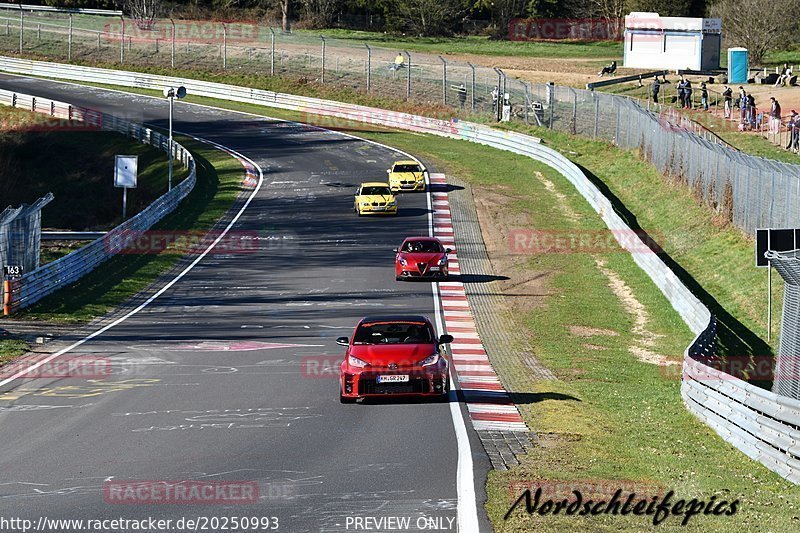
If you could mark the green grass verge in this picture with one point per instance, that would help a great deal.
(218, 183)
(477, 45)
(10, 349)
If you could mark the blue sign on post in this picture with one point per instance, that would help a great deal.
(737, 65)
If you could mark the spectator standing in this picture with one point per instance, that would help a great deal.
(727, 94)
(687, 94)
(794, 132)
(751, 106)
(774, 116)
(656, 88)
(462, 95)
(681, 92)
(742, 105)
(704, 96)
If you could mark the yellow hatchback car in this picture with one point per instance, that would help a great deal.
(375, 198)
(407, 176)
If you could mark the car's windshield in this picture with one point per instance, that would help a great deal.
(422, 247)
(407, 168)
(382, 191)
(394, 333)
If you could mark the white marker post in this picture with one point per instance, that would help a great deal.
(125, 174)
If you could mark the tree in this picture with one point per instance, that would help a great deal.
(320, 13)
(286, 23)
(757, 25)
(144, 12)
(425, 17)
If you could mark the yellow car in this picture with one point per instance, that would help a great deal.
(407, 176)
(375, 198)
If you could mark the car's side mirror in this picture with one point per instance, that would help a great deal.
(343, 341)
(388, 170)
(395, 250)
(445, 339)
(447, 250)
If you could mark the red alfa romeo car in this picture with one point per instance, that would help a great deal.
(421, 257)
(394, 355)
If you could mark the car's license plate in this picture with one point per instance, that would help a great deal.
(395, 378)
(435, 269)
(379, 208)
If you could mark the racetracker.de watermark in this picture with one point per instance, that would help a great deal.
(320, 366)
(562, 29)
(377, 120)
(86, 121)
(557, 241)
(746, 367)
(198, 31)
(182, 242)
(65, 366)
(155, 492)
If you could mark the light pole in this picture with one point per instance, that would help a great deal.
(171, 93)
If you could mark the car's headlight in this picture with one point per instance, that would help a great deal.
(403, 262)
(430, 360)
(392, 203)
(355, 361)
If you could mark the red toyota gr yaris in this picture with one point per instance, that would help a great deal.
(421, 257)
(394, 355)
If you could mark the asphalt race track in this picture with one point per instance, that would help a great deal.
(210, 381)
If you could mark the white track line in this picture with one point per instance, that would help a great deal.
(165, 287)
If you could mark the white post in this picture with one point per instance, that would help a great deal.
(224, 46)
(122, 41)
(21, 27)
(69, 40)
(322, 71)
(272, 53)
(173, 42)
(124, 202)
(369, 67)
(171, 98)
(769, 301)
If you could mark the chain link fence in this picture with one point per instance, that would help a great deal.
(787, 366)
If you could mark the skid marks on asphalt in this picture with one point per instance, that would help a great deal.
(209, 419)
(89, 389)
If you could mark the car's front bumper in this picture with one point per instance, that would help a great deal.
(373, 210)
(363, 383)
(410, 272)
(407, 186)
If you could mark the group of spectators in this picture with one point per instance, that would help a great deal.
(749, 118)
(685, 92)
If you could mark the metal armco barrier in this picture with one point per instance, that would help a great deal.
(36, 284)
(759, 423)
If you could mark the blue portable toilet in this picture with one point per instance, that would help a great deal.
(737, 65)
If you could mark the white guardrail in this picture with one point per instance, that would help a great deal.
(35, 285)
(758, 422)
